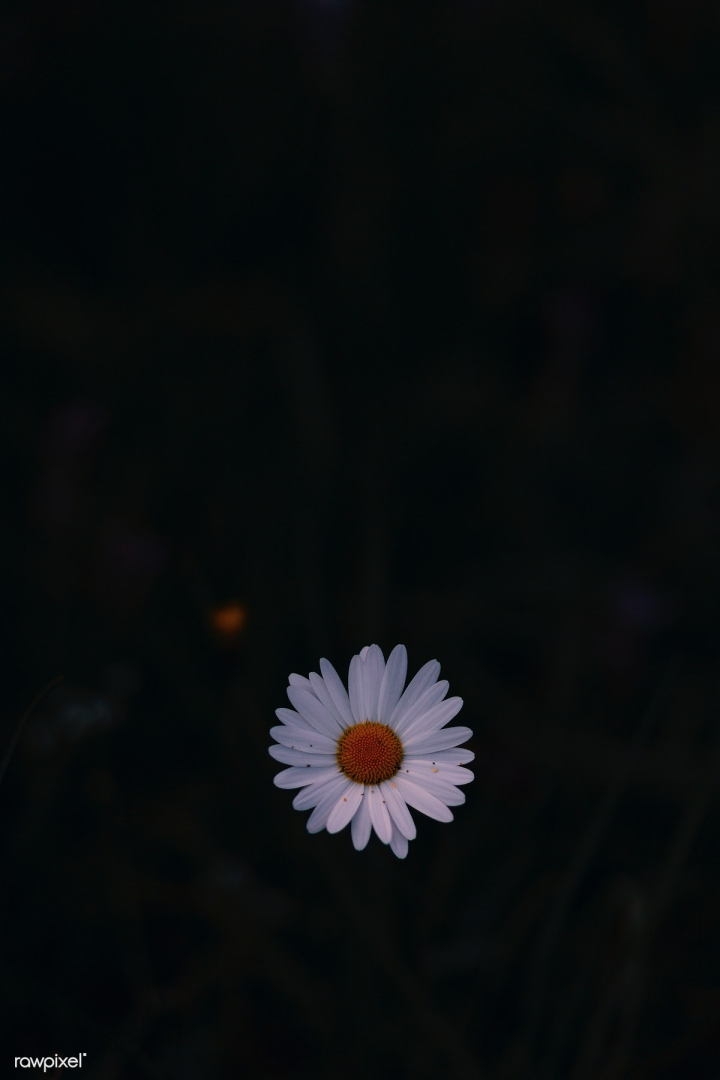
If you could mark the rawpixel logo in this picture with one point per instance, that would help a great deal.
(45, 1063)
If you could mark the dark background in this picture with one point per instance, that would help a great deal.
(331, 323)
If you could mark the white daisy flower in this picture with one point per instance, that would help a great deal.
(367, 756)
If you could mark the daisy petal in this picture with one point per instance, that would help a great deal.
(299, 680)
(442, 789)
(345, 809)
(323, 695)
(379, 814)
(458, 756)
(361, 823)
(424, 704)
(299, 739)
(321, 813)
(398, 810)
(314, 712)
(373, 671)
(300, 777)
(288, 716)
(337, 691)
(315, 793)
(355, 689)
(435, 718)
(426, 676)
(437, 740)
(364, 652)
(285, 756)
(398, 843)
(392, 683)
(423, 800)
(454, 774)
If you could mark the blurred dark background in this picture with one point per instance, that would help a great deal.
(326, 323)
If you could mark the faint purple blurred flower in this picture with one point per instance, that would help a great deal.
(68, 439)
(135, 554)
(638, 606)
(75, 430)
(325, 20)
(128, 563)
(635, 614)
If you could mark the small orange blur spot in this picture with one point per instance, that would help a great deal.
(228, 619)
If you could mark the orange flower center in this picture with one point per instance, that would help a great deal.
(369, 753)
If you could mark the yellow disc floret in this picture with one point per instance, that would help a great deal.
(369, 753)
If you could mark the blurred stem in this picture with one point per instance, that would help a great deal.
(536, 986)
(449, 1042)
(682, 841)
